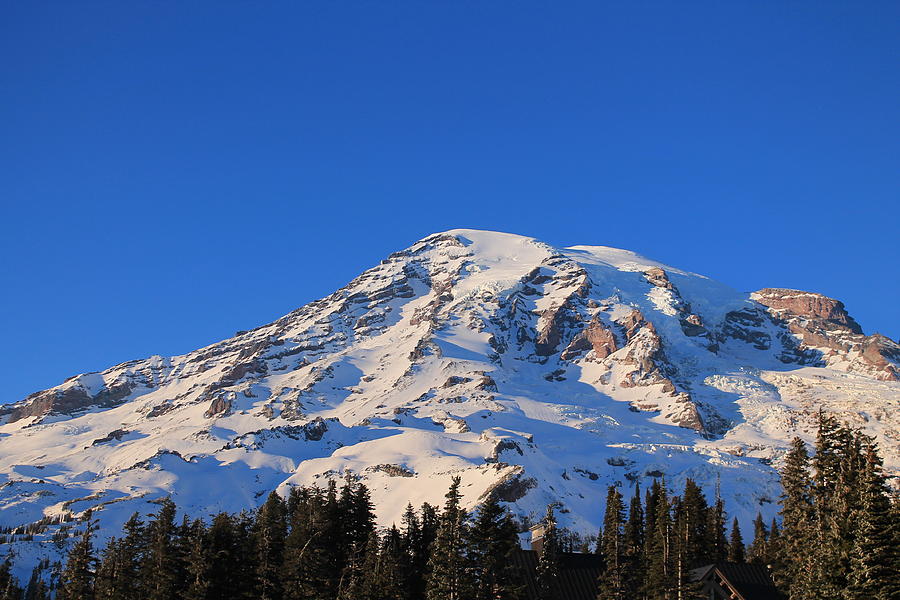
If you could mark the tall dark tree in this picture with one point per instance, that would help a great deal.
(161, 566)
(633, 541)
(9, 586)
(659, 581)
(198, 559)
(492, 541)
(736, 544)
(448, 577)
(37, 588)
(548, 566)
(612, 584)
(792, 573)
(310, 556)
(77, 580)
(758, 551)
(269, 533)
(717, 542)
(875, 563)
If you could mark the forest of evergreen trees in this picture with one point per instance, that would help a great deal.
(837, 538)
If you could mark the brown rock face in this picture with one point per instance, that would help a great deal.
(827, 333)
(656, 276)
(219, 406)
(597, 337)
(796, 303)
(67, 401)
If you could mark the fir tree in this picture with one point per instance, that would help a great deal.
(547, 575)
(659, 580)
(161, 565)
(792, 571)
(612, 548)
(758, 551)
(874, 572)
(77, 580)
(736, 544)
(448, 577)
(492, 540)
(9, 587)
(270, 532)
(633, 541)
(389, 582)
(37, 588)
(198, 562)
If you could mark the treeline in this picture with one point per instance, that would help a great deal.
(837, 539)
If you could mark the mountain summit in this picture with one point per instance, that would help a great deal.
(535, 373)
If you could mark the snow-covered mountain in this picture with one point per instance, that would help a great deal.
(534, 373)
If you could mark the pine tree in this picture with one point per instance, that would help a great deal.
(77, 580)
(547, 574)
(361, 576)
(448, 578)
(758, 551)
(612, 548)
(270, 532)
(874, 572)
(37, 588)
(659, 580)
(736, 544)
(690, 539)
(310, 556)
(792, 570)
(162, 560)
(9, 587)
(198, 561)
(389, 582)
(774, 550)
(717, 543)
(633, 541)
(491, 543)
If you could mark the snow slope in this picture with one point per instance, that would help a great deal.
(534, 373)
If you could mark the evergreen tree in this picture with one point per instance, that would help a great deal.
(119, 574)
(758, 551)
(659, 580)
(361, 576)
(633, 541)
(874, 572)
(270, 532)
(310, 556)
(37, 588)
(9, 587)
(491, 543)
(736, 544)
(547, 575)
(414, 558)
(774, 549)
(77, 580)
(389, 581)
(448, 577)
(161, 566)
(198, 561)
(717, 543)
(612, 548)
(792, 570)
(690, 539)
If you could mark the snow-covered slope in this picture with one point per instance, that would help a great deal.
(534, 373)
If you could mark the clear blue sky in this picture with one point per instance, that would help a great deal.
(171, 172)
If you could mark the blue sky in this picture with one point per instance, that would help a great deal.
(173, 172)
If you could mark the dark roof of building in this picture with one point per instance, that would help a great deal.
(578, 574)
(751, 581)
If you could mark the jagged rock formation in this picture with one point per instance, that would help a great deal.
(535, 373)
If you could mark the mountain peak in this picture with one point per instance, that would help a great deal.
(535, 373)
